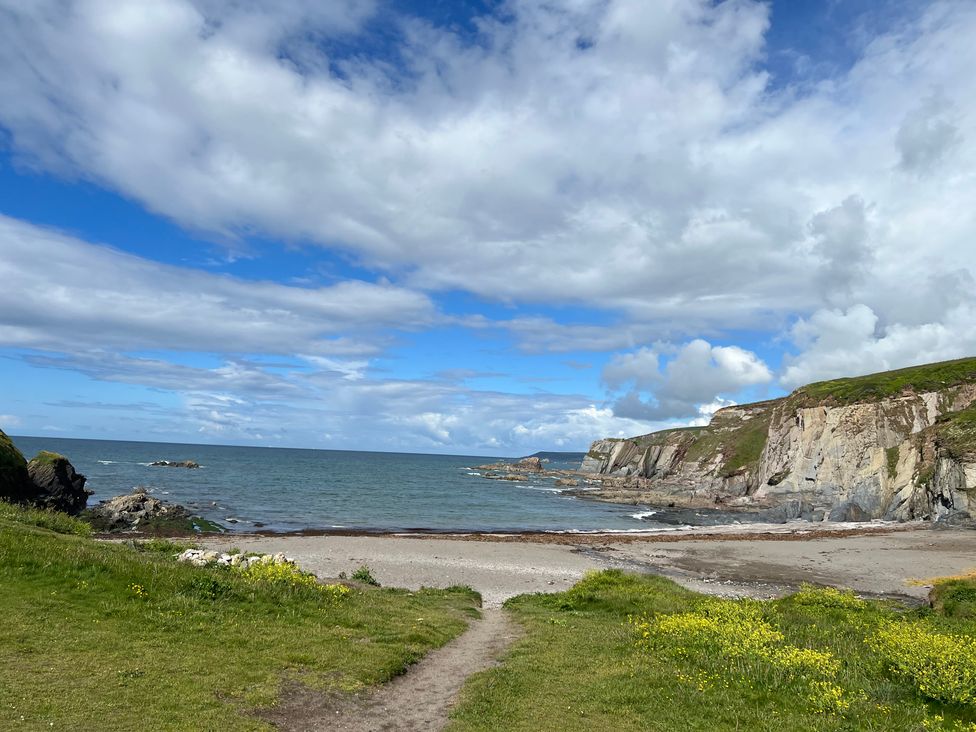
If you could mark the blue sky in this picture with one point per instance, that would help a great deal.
(473, 227)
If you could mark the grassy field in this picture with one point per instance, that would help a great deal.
(640, 653)
(108, 637)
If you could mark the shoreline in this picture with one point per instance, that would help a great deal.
(878, 562)
(791, 531)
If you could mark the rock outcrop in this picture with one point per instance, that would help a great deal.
(56, 484)
(899, 445)
(136, 511)
(48, 481)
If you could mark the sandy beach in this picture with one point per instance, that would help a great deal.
(878, 562)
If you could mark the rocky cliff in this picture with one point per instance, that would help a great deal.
(47, 481)
(898, 445)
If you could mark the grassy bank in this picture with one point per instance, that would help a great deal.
(109, 637)
(640, 653)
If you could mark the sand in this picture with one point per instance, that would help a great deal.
(760, 565)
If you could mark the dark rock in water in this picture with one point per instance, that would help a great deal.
(15, 483)
(174, 464)
(137, 510)
(56, 484)
(567, 482)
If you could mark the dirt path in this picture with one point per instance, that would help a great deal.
(421, 699)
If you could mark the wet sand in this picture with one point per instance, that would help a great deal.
(877, 561)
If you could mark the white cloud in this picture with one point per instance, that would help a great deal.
(62, 293)
(692, 380)
(837, 343)
(586, 153)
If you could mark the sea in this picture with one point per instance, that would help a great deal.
(285, 489)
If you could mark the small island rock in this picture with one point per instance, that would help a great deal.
(174, 464)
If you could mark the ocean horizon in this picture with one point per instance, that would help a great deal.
(246, 488)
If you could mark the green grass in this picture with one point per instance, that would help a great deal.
(955, 597)
(891, 459)
(584, 665)
(741, 444)
(46, 457)
(873, 387)
(10, 456)
(59, 523)
(100, 636)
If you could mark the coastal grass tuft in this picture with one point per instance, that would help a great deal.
(46, 457)
(365, 575)
(103, 636)
(628, 652)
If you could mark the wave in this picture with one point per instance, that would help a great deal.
(641, 515)
(106, 462)
(543, 489)
(477, 475)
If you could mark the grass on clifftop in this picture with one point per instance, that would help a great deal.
(627, 652)
(10, 456)
(873, 387)
(46, 457)
(101, 636)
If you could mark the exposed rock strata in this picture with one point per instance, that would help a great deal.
(56, 484)
(894, 457)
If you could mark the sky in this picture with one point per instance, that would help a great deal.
(478, 227)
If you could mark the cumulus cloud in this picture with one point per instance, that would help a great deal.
(453, 163)
(62, 293)
(690, 385)
(852, 342)
(586, 153)
(926, 135)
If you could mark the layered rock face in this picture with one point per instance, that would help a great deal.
(898, 456)
(56, 484)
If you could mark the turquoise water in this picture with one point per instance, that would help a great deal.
(289, 489)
